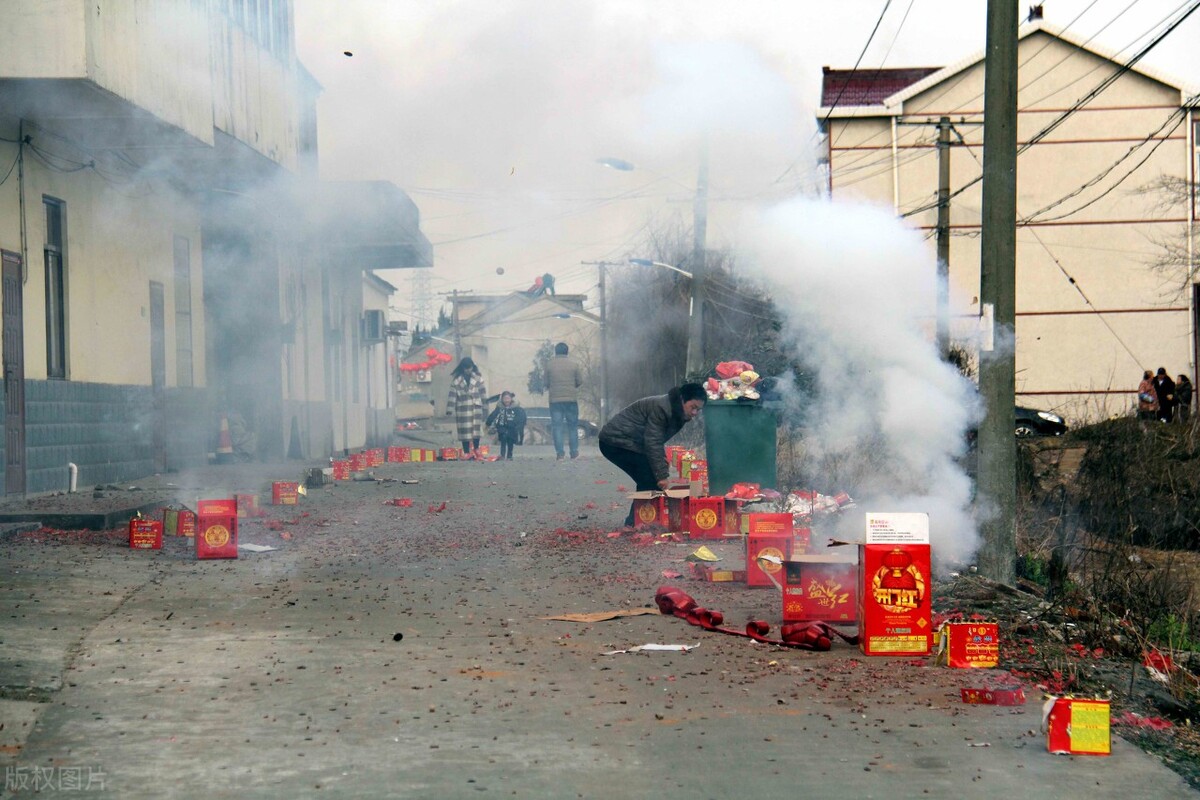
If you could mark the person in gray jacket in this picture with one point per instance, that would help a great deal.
(634, 440)
(563, 379)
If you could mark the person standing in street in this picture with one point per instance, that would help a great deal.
(1147, 400)
(1164, 388)
(634, 440)
(467, 403)
(1183, 399)
(563, 379)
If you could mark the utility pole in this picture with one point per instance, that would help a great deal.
(943, 238)
(602, 267)
(457, 332)
(997, 495)
(697, 364)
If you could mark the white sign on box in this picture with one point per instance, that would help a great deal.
(897, 527)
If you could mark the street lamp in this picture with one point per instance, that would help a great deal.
(645, 262)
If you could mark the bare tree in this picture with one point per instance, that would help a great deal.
(1177, 260)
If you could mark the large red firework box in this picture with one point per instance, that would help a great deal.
(820, 588)
(285, 493)
(778, 546)
(375, 457)
(706, 517)
(895, 616)
(1077, 727)
(145, 534)
(672, 453)
(649, 509)
(358, 462)
(178, 522)
(969, 645)
(341, 470)
(397, 455)
(761, 522)
(216, 528)
(448, 454)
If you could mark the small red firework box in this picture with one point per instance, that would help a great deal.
(428, 454)
(341, 470)
(820, 588)
(678, 459)
(895, 617)
(448, 454)
(1010, 696)
(777, 545)
(358, 462)
(285, 493)
(178, 522)
(706, 517)
(649, 509)
(1077, 727)
(483, 450)
(671, 451)
(375, 457)
(216, 528)
(710, 573)
(677, 510)
(398, 455)
(969, 645)
(145, 534)
(698, 479)
(247, 505)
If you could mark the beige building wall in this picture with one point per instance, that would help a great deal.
(1092, 311)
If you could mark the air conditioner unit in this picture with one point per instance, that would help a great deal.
(374, 327)
(424, 376)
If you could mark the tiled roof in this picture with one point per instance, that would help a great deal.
(867, 87)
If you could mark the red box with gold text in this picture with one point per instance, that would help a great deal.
(970, 645)
(820, 588)
(650, 510)
(706, 517)
(358, 462)
(145, 534)
(216, 528)
(396, 455)
(285, 493)
(341, 470)
(1077, 727)
(895, 616)
(778, 545)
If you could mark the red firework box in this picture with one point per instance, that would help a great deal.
(677, 510)
(448, 454)
(698, 479)
(999, 696)
(428, 454)
(649, 509)
(895, 617)
(678, 459)
(341, 470)
(285, 493)
(178, 522)
(706, 518)
(247, 506)
(358, 462)
(777, 547)
(672, 453)
(820, 588)
(145, 534)
(1077, 727)
(969, 645)
(398, 455)
(484, 450)
(375, 457)
(216, 528)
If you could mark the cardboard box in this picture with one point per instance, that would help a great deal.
(777, 544)
(698, 479)
(1077, 727)
(341, 470)
(448, 454)
(677, 461)
(216, 528)
(970, 645)
(820, 588)
(285, 493)
(649, 510)
(895, 615)
(706, 517)
(178, 522)
(375, 457)
(358, 462)
(994, 697)
(398, 455)
(145, 534)
(733, 519)
(760, 522)
(713, 574)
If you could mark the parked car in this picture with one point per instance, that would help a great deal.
(537, 426)
(1031, 422)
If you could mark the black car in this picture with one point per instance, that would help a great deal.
(1031, 422)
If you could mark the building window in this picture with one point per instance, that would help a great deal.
(56, 287)
(183, 312)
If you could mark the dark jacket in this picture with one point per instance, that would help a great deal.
(1183, 392)
(1164, 387)
(509, 422)
(644, 426)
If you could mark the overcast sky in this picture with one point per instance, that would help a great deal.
(492, 115)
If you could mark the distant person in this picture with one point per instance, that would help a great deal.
(1147, 399)
(1183, 399)
(563, 379)
(634, 440)
(508, 419)
(467, 403)
(548, 284)
(538, 289)
(1164, 388)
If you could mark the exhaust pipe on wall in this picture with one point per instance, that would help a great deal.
(72, 476)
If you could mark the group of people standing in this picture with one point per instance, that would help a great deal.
(1164, 399)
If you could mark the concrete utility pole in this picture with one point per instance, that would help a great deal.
(997, 495)
(943, 238)
(697, 364)
(602, 266)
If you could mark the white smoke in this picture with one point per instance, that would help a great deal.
(857, 292)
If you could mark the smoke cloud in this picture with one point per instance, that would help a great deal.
(856, 291)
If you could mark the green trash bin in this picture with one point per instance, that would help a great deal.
(739, 442)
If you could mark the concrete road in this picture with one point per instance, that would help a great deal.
(384, 651)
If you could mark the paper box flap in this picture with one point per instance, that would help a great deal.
(897, 527)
